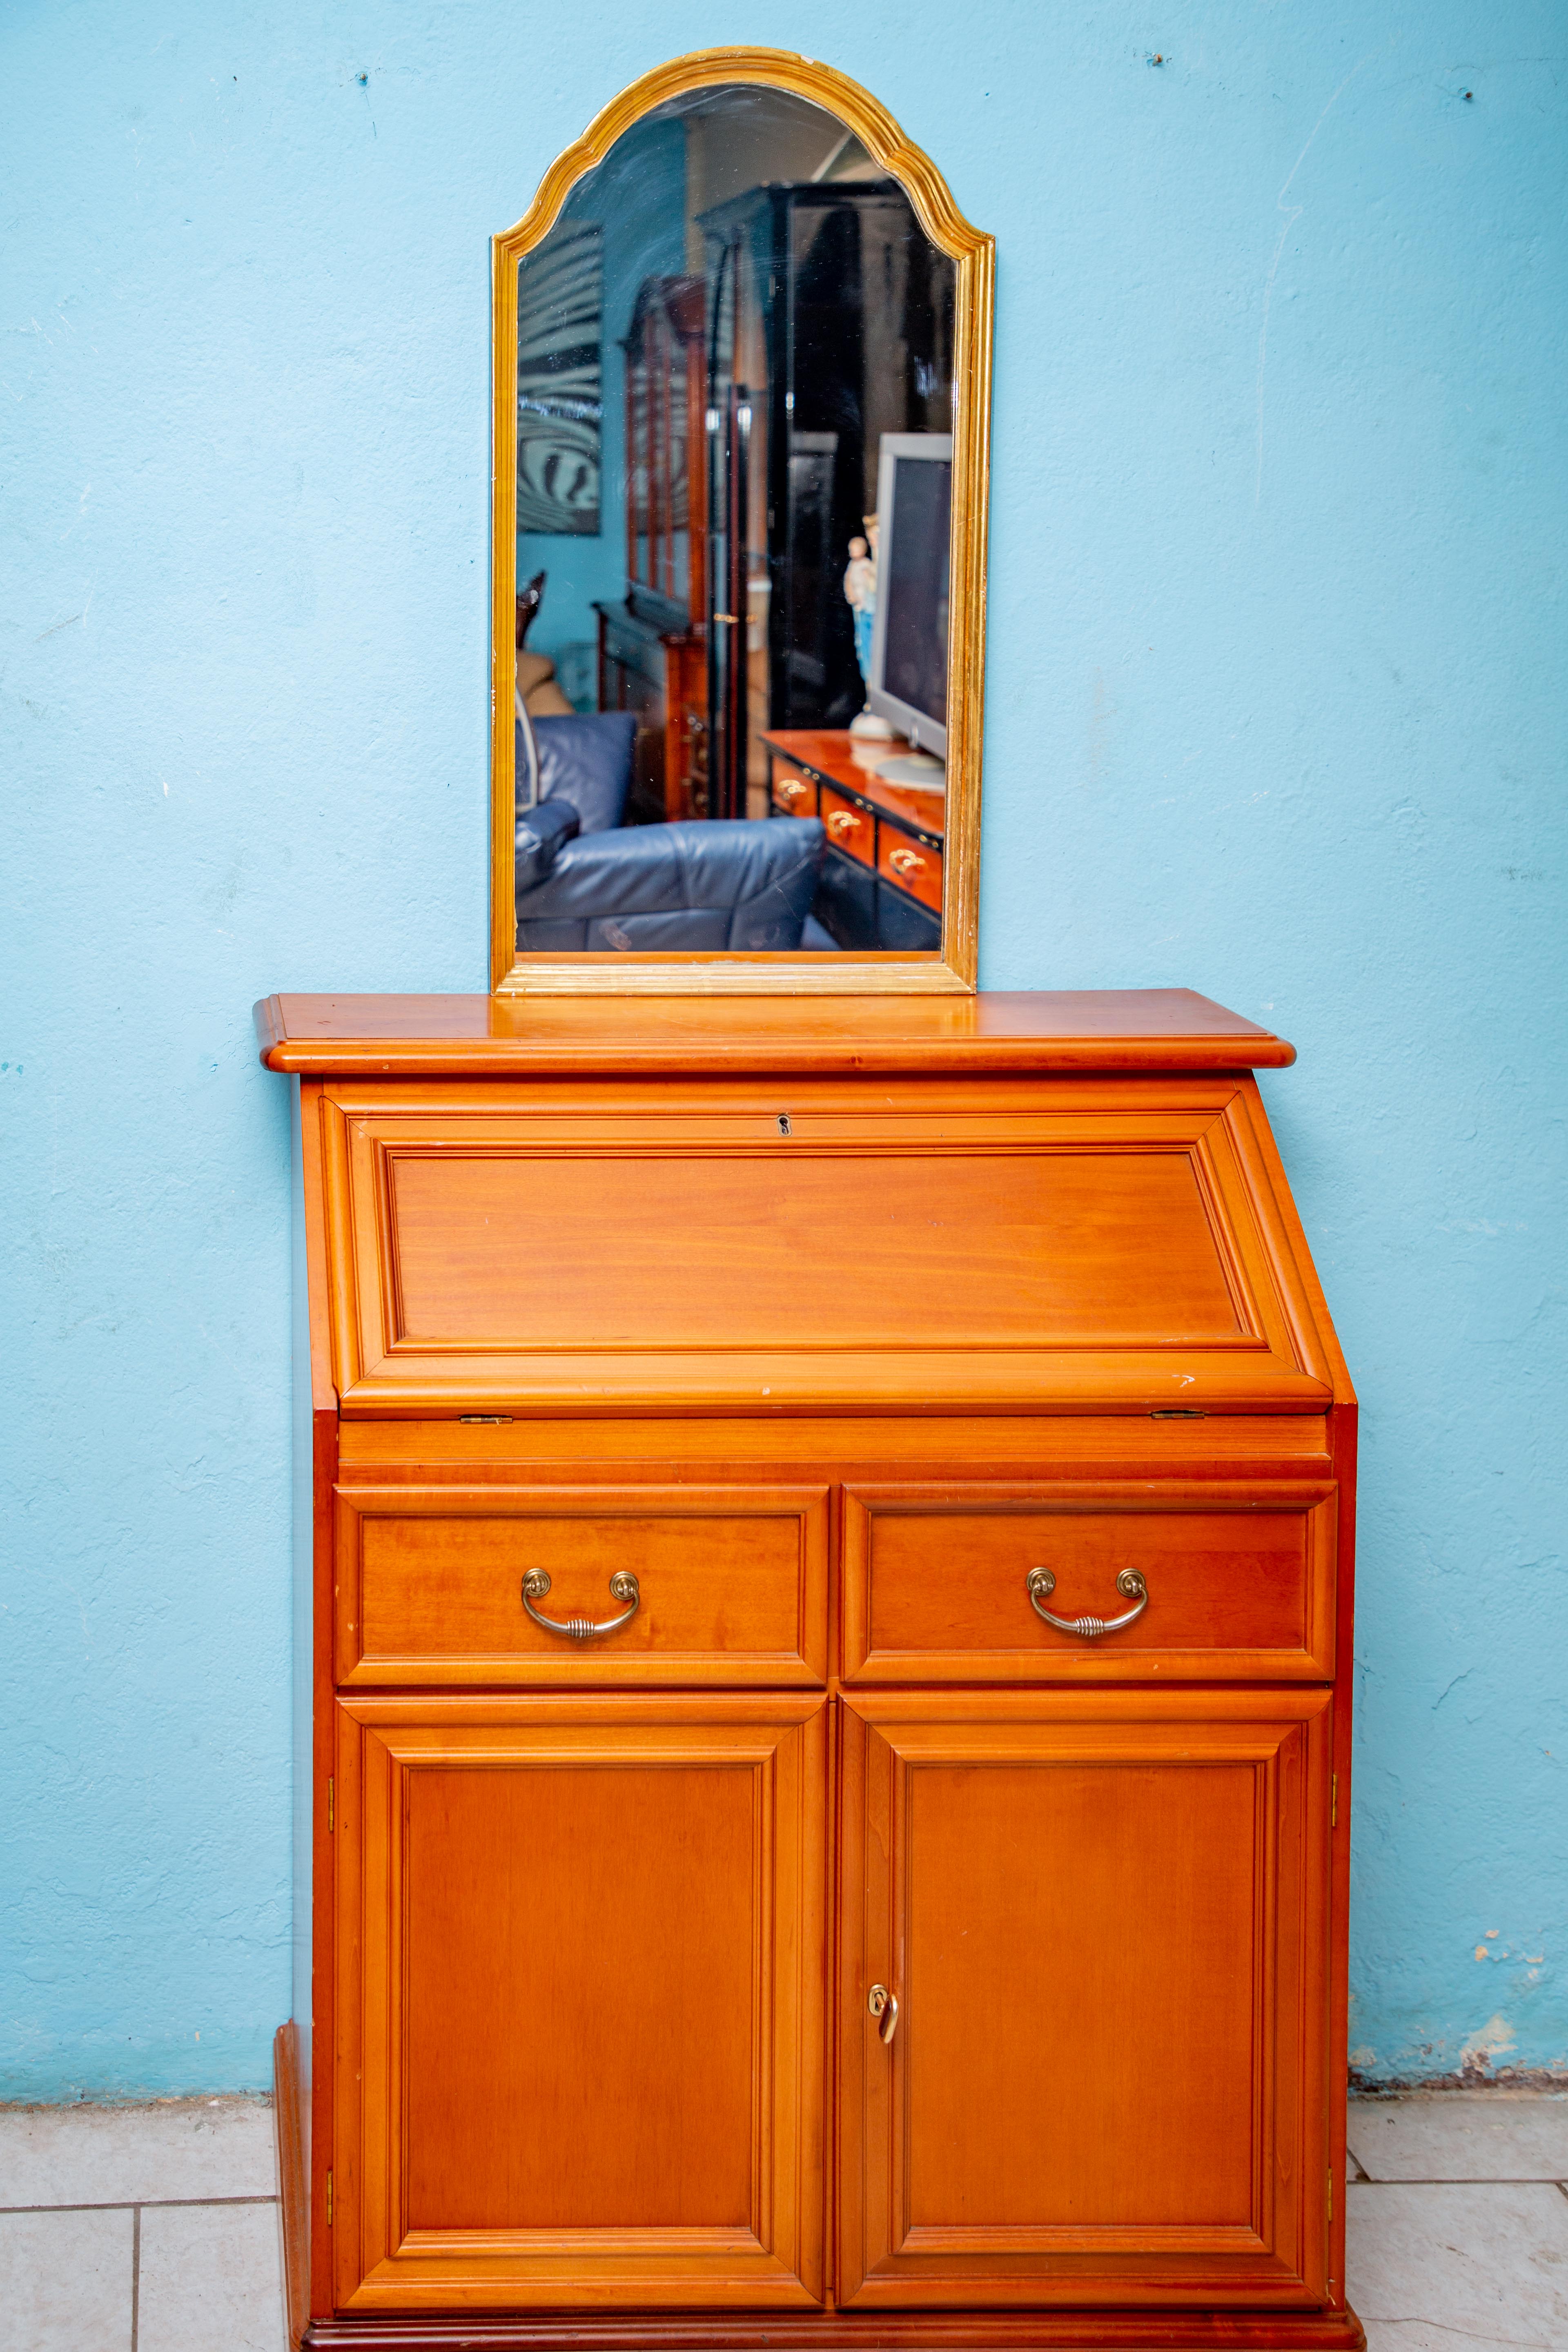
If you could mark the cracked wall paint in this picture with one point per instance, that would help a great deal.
(1288, 735)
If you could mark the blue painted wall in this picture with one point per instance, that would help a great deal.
(1275, 657)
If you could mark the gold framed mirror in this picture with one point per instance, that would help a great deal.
(740, 415)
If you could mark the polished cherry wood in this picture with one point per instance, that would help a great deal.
(1240, 1576)
(1103, 1917)
(891, 2331)
(1107, 1030)
(829, 1329)
(733, 1584)
(293, 2184)
(870, 2331)
(947, 1248)
(582, 2057)
(859, 1448)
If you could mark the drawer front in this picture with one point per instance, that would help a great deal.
(730, 1584)
(912, 867)
(849, 827)
(1239, 1579)
(792, 793)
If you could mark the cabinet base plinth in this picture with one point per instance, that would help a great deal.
(917, 2331)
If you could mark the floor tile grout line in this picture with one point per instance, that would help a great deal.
(1467, 2180)
(135, 2205)
(135, 2273)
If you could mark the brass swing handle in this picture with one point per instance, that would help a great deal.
(884, 2006)
(1041, 1582)
(622, 1587)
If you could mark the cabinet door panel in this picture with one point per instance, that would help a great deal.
(1104, 1918)
(583, 1947)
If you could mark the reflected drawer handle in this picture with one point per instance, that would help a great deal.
(622, 1587)
(1040, 1583)
(884, 2005)
(906, 861)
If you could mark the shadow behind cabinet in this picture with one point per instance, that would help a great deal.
(917, 1916)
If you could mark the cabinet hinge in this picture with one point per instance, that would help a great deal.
(1333, 1801)
(329, 2201)
(332, 1807)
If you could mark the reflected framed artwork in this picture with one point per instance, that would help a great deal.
(741, 392)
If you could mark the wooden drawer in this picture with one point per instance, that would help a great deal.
(792, 793)
(731, 1584)
(913, 866)
(849, 827)
(1239, 1578)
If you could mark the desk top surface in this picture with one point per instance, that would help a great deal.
(1125, 1031)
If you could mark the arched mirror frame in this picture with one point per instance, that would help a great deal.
(952, 969)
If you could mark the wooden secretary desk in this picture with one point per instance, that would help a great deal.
(824, 1637)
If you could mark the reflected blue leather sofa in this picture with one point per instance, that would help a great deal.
(586, 882)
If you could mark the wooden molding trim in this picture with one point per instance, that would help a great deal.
(1118, 1032)
(974, 253)
(288, 2123)
(1018, 2331)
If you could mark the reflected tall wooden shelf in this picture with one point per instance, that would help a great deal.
(871, 1940)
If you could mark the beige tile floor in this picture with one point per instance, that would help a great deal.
(1458, 2230)
(139, 2229)
(155, 2229)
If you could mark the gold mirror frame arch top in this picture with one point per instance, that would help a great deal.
(952, 969)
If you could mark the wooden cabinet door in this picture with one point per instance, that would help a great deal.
(1104, 1917)
(581, 1960)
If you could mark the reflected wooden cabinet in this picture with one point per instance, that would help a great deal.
(653, 644)
(824, 1607)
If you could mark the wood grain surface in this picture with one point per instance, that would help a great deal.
(580, 2043)
(733, 1584)
(829, 1321)
(1239, 1574)
(1105, 1029)
(1104, 1917)
(932, 1246)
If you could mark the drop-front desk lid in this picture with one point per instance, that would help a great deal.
(1020, 1205)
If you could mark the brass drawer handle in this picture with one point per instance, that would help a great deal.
(884, 2005)
(622, 1587)
(842, 821)
(906, 861)
(1040, 1583)
(791, 789)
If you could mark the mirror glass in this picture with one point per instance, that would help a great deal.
(735, 467)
